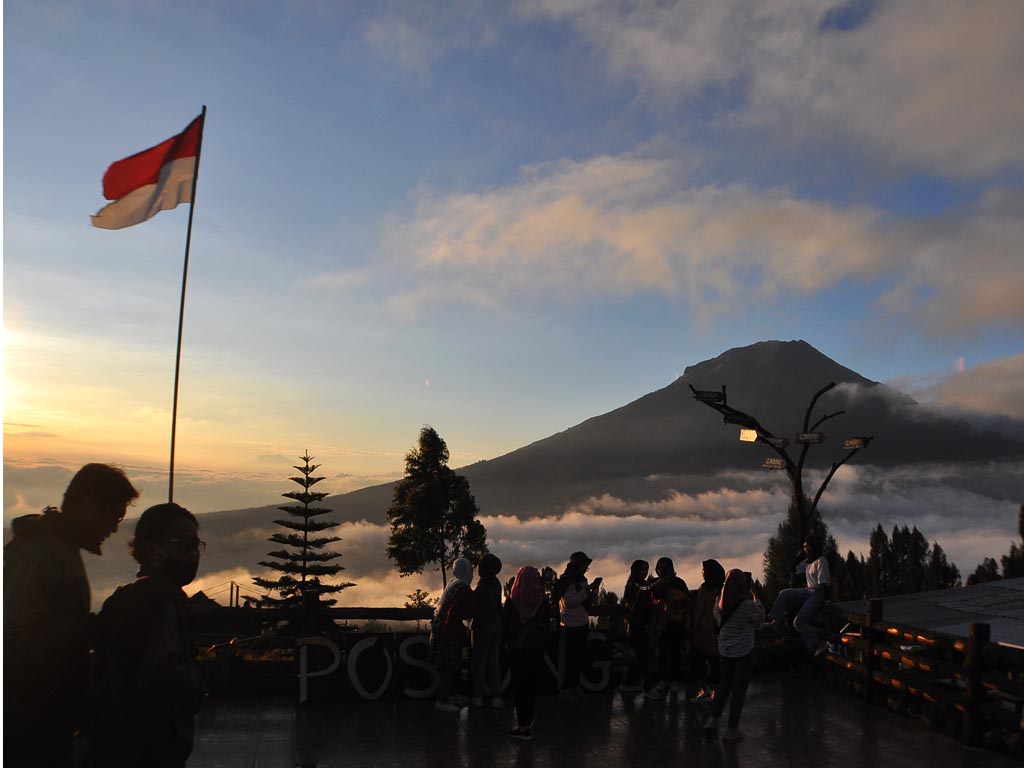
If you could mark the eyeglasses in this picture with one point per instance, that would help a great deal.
(188, 544)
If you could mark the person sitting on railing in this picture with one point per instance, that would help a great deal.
(804, 602)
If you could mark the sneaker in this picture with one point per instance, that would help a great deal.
(569, 694)
(703, 697)
(657, 693)
(631, 687)
(732, 734)
(496, 702)
(674, 687)
(711, 724)
(476, 701)
(520, 734)
(460, 700)
(446, 706)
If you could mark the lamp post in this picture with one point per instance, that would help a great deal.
(752, 431)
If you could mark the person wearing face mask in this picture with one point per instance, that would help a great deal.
(47, 623)
(148, 683)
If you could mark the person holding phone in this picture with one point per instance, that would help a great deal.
(575, 598)
(739, 612)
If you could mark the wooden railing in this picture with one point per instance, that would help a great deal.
(968, 686)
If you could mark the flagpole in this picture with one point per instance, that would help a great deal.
(181, 308)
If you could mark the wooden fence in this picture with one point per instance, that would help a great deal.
(968, 686)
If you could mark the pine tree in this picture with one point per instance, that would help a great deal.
(940, 573)
(304, 560)
(987, 570)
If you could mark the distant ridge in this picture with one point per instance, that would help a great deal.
(667, 433)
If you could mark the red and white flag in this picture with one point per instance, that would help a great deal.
(156, 179)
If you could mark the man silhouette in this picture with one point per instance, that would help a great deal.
(47, 624)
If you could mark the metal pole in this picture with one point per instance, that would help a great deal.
(181, 309)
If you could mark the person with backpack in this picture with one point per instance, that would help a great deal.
(739, 612)
(575, 598)
(671, 596)
(487, 633)
(525, 631)
(636, 600)
(448, 633)
(703, 659)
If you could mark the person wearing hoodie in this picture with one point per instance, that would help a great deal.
(636, 600)
(739, 612)
(487, 633)
(672, 598)
(525, 632)
(703, 658)
(149, 685)
(47, 624)
(575, 598)
(448, 633)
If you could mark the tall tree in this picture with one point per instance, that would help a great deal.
(940, 573)
(304, 560)
(1013, 563)
(432, 513)
(987, 570)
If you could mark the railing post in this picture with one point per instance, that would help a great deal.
(874, 615)
(974, 716)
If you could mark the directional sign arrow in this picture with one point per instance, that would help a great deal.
(810, 437)
(773, 462)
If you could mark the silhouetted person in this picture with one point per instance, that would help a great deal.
(704, 664)
(575, 598)
(487, 633)
(525, 630)
(636, 599)
(148, 683)
(740, 613)
(672, 597)
(803, 602)
(47, 623)
(448, 634)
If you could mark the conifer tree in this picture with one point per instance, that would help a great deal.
(304, 560)
(432, 512)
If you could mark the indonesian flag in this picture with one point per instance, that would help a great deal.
(156, 179)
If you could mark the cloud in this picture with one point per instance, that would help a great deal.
(995, 388)
(930, 85)
(616, 227)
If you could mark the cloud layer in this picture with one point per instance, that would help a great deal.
(616, 227)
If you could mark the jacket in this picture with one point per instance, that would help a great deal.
(149, 687)
(47, 625)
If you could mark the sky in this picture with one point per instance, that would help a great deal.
(496, 218)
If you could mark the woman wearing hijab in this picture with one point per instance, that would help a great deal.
(525, 628)
(739, 612)
(448, 633)
(704, 639)
(636, 599)
(487, 633)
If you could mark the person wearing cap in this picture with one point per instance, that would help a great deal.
(487, 633)
(47, 623)
(575, 598)
(802, 603)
